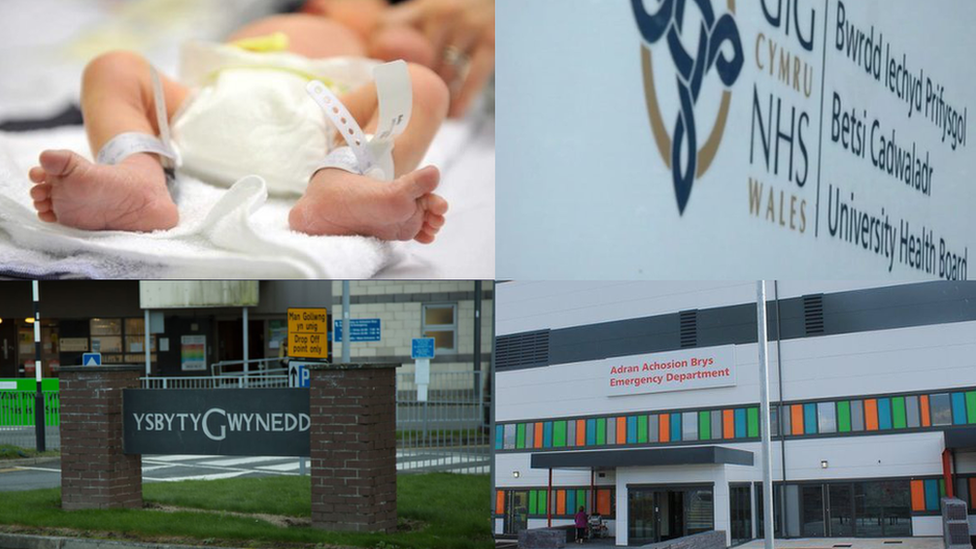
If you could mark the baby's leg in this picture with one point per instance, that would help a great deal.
(340, 203)
(116, 98)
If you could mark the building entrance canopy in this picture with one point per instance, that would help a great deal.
(962, 439)
(648, 457)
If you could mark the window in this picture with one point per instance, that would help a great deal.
(689, 426)
(121, 340)
(941, 409)
(827, 417)
(440, 323)
(509, 439)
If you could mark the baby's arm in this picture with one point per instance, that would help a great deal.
(387, 43)
(361, 16)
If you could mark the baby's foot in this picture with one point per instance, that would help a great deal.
(129, 196)
(341, 203)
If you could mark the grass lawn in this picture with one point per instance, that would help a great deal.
(9, 451)
(437, 510)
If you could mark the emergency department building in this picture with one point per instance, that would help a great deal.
(639, 401)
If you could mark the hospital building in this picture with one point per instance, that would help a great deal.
(640, 402)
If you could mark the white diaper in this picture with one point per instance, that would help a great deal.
(249, 113)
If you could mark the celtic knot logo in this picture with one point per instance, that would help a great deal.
(691, 71)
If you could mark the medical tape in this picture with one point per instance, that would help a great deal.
(129, 143)
(374, 157)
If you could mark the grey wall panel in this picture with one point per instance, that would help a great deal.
(844, 312)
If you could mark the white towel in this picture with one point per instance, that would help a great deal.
(222, 233)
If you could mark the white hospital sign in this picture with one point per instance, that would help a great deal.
(672, 371)
(760, 138)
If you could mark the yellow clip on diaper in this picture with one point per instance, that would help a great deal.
(277, 41)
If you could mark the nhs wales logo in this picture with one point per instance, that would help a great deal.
(716, 51)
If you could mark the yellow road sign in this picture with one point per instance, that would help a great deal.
(308, 333)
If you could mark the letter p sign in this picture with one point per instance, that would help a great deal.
(298, 374)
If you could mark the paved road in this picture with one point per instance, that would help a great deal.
(185, 467)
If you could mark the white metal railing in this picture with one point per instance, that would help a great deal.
(217, 368)
(447, 432)
(214, 382)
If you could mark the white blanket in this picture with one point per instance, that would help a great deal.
(223, 233)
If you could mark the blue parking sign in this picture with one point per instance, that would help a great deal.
(423, 347)
(298, 374)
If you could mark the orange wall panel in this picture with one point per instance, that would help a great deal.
(603, 502)
(728, 423)
(871, 414)
(918, 496)
(926, 418)
(796, 419)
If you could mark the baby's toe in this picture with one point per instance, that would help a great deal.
(43, 205)
(424, 237)
(41, 192)
(60, 162)
(435, 221)
(47, 216)
(436, 204)
(37, 174)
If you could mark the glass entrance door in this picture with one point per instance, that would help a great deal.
(517, 511)
(840, 510)
(740, 511)
(642, 516)
(657, 514)
(812, 511)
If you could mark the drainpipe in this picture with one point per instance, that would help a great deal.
(477, 337)
(947, 471)
(779, 375)
(592, 490)
(767, 469)
(549, 501)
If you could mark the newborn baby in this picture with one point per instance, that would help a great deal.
(246, 108)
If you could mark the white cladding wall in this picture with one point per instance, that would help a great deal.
(863, 363)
